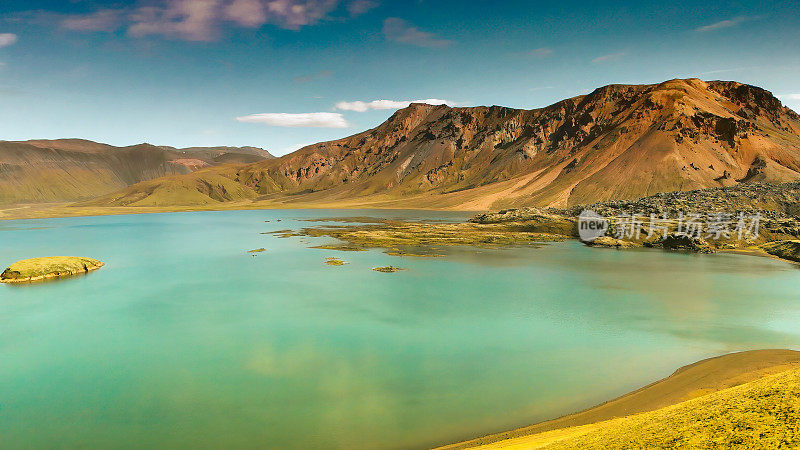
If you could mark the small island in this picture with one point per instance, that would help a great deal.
(38, 269)
(387, 269)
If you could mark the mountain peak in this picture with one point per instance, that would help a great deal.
(618, 142)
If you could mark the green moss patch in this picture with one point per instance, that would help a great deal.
(37, 269)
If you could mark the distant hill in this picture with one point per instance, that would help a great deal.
(618, 142)
(226, 155)
(74, 169)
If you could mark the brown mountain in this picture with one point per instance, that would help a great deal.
(619, 142)
(72, 169)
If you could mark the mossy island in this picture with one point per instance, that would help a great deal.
(38, 269)
(387, 269)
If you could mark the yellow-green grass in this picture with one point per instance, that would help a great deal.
(422, 238)
(37, 269)
(759, 414)
(387, 269)
(635, 417)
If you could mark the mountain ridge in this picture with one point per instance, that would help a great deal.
(72, 169)
(617, 142)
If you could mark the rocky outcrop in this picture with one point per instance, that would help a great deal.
(610, 242)
(675, 241)
(532, 220)
(788, 249)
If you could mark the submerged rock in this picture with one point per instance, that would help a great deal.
(38, 269)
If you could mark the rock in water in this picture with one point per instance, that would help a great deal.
(610, 242)
(387, 269)
(37, 269)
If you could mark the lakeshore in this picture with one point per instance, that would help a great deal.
(690, 394)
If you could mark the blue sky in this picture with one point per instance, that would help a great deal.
(280, 74)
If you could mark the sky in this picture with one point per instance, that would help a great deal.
(281, 74)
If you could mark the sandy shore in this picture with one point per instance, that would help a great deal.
(687, 383)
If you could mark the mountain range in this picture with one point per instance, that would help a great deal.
(73, 169)
(618, 142)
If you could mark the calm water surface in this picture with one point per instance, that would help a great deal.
(184, 339)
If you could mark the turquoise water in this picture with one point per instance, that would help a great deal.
(185, 340)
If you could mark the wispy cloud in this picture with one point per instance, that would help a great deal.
(101, 20)
(203, 20)
(733, 69)
(789, 97)
(398, 30)
(304, 120)
(359, 7)
(294, 14)
(313, 76)
(247, 13)
(191, 20)
(540, 52)
(722, 24)
(359, 106)
(7, 39)
(609, 58)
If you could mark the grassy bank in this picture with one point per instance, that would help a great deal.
(745, 400)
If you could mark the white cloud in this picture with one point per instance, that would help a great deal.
(608, 58)
(359, 106)
(247, 13)
(724, 24)
(789, 97)
(191, 20)
(203, 20)
(293, 14)
(7, 39)
(398, 30)
(304, 120)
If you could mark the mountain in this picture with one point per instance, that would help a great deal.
(73, 169)
(618, 142)
(226, 155)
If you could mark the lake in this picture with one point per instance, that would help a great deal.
(184, 339)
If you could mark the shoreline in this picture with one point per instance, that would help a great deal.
(66, 210)
(687, 383)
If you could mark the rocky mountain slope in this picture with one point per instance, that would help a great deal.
(619, 142)
(72, 169)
